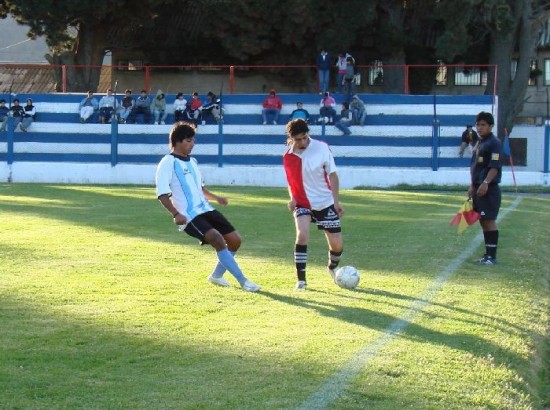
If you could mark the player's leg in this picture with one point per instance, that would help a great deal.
(233, 240)
(212, 227)
(335, 249)
(302, 221)
(488, 207)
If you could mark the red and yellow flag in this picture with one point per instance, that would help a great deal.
(465, 216)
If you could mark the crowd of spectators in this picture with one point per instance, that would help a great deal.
(146, 109)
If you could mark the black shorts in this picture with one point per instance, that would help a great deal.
(326, 219)
(489, 204)
(202, 223)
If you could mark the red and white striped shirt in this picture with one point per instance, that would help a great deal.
(307, 175)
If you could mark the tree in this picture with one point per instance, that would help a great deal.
(77, 32)
(494, 32)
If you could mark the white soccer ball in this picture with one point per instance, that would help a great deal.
(347, 277)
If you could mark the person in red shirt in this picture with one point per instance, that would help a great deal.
(272, 106)
(194, 108)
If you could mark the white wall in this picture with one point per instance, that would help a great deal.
(350, 177)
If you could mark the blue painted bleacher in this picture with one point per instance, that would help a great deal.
(398, 132)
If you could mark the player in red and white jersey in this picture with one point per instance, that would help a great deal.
(313, 186)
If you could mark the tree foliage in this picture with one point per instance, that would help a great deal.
(292, 32)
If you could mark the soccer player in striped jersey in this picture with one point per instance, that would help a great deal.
(313, 186)
(181, 191)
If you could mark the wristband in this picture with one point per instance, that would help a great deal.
(486, 182)
(176, 214)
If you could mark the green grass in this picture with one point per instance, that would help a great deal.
(105, 305)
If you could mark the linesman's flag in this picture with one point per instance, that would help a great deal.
(465, 216)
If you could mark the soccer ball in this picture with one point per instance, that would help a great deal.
(347, 277)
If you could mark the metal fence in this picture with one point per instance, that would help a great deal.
(242, 79)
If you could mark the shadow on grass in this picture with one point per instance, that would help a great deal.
(476, 346)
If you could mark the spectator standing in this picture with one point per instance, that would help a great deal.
(323, 68)
(358, 110)
(341, 67)
(4, 113)
(88, 106)
(211, 106)
(28, 115)
(313, 185)
(142, 108)
(181, 191)
(469, 138)
(349, 77)
(272, 106)
(158, 108)
(194, 108)
(299, 112)
(327, 110)
(126, 106)
(17, 112)
(344, 122)
(106, 107)
(180, 105)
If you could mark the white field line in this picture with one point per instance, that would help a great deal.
(331, 389)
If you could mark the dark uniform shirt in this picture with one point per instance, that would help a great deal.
(486, 155)
(470, 137)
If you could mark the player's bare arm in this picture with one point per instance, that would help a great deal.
(482, 190)
(179, 219)
(219, 199)
(335, 184)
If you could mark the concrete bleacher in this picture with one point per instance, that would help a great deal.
(246, 109)
(398, 133)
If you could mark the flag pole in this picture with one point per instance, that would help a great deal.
(508, 151)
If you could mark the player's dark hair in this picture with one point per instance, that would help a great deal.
(181, 131)
(485, 116)
(295, 127)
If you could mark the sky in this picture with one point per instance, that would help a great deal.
(16, 47)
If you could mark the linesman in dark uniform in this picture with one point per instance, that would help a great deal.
(486, 172)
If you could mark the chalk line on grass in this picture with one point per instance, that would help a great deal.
(331, 389)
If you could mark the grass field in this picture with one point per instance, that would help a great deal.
(106, 306)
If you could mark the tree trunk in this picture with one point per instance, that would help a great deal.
(83, 62)
(511, 92)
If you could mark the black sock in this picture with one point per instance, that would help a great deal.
(491, 242)
(300, 259)
(334, 259)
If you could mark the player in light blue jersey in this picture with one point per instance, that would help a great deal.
(180, 189)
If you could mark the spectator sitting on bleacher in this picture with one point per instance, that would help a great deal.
(158, 108)
(327, 111)
(211, 106)
(4, 111)
(193, 109)
(126, 106)
(28, 115)
(87, 107)
(142, 108)
(180, 104)
(358, 110)
(106, 107)
(17, 112)
(299, 112)
(345, 119)
(272, 105)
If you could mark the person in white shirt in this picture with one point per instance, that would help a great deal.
(313, 186)
(28, 115)
(181, 191)
(106, 107)
(180, 105)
